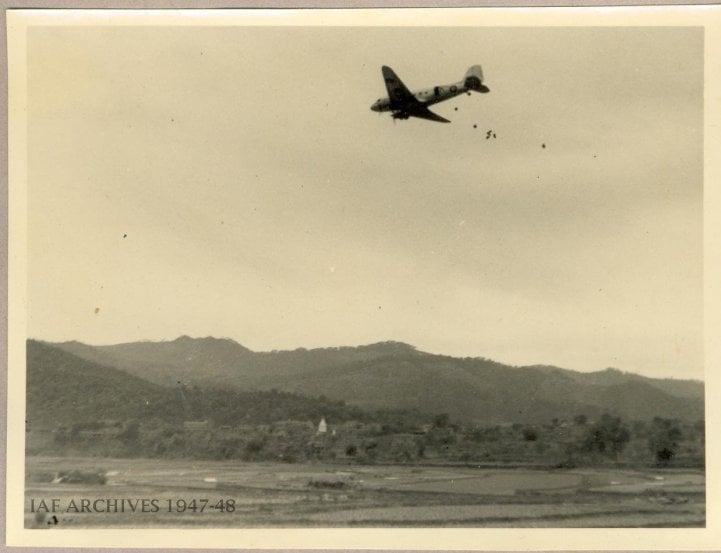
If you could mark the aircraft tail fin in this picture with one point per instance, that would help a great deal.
(473, 79)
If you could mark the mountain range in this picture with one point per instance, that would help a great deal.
(66, 390)
(382, 376)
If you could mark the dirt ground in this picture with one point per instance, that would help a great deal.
(173, 493)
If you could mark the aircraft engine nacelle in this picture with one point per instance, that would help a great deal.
(473, 79)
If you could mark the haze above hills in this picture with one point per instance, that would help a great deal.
(394, 375)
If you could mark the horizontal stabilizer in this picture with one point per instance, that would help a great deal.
(473, 79)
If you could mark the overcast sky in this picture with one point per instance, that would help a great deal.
(233, 182)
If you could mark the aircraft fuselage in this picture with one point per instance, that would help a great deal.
(427, 96)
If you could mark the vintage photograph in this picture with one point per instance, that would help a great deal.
(285, 275)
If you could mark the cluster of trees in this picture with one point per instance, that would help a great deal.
(660, 441)
(608, 436)
(233, 407)
(666, 439)
(400, 437)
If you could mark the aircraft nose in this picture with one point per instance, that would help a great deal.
(374, 106)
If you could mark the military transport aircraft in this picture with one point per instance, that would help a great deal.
(403, 103)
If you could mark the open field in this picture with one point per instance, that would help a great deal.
(234, 494)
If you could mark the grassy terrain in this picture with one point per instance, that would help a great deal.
(302, 495)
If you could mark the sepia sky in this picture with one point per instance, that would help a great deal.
(233, 182)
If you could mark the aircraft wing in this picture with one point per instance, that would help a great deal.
(397, 91)
(424, 113)
(402, 99)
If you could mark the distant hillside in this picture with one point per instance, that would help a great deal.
(611, 377)
(63, 388)
(219, 361)
(185, 359)
(392, 375)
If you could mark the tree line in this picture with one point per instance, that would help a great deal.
(395, 438)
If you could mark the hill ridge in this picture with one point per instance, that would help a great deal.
(393, 375)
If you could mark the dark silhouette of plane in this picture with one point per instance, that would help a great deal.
(402, 103)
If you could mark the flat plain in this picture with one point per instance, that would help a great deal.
(226, 494)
